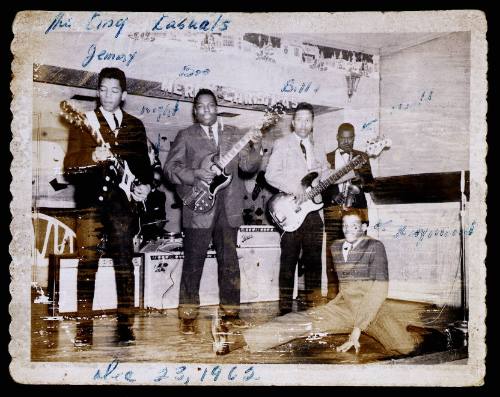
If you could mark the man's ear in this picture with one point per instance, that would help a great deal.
(124, 95)
(364, 227)
(293, 124)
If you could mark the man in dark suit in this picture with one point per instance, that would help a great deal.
(220, 225)
(105, 213)
(343, 196)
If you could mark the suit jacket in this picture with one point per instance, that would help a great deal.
(364, 173)
(87, 176)
(363, 279)
(188, 150)
(287, 164)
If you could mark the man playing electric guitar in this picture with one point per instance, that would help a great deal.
(187, 165)
(339, 197)
(294, 156)
(105, 202)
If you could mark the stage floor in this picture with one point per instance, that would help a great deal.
(158, 339)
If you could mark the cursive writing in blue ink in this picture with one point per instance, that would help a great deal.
(297, 86)
(96, 23)
(105, 55)
(111, 372)
(59, 22)
(381, 225)
(161, 111)
(420, 233)
(189, 71)
(164, 23)
(366, 125)
(424, 97)
(186, 374)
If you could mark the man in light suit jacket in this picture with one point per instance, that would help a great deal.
(221, 223)
(293, 157)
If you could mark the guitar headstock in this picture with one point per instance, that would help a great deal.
(375, 146)
(272, 115)
(72, 114)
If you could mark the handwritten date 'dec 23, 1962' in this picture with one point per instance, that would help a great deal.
(181, 373)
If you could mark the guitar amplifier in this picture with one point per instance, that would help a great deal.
(251, 236)
(63, 286)
(162, 279)
(259, 275)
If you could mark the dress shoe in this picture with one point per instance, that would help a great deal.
(432, 340)
(124, 335)
(219, 335)
(84, 334)
(188, 326)
(234, 320)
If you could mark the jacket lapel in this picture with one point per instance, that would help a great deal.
(205, 138)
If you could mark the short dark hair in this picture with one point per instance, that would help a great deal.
(113, 73)
(345, 127)
(361, 213)
(204, 91)
(304, 106)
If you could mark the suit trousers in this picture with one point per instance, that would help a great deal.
(109, 232)
(196, 243)
(308, 239)
(333, 318)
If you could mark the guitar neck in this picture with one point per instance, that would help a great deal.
(226, 159)
(355, 162)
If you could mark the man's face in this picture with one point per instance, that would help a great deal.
(303, 123)
(111, 94)
(345, 140)
(352, 228)
(205, 110)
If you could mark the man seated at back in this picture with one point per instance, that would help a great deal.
(360, 306)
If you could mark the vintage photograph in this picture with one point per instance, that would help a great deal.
(248, 199)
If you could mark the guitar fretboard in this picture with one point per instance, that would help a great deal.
(321, 186)
(226, 159)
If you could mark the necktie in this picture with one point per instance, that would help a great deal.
(303, 148)
(117, 124)
(211, 135)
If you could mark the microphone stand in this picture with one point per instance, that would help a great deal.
(462, 325)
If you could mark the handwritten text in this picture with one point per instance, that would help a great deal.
(105, 55)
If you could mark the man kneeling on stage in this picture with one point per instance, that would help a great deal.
(361, 265)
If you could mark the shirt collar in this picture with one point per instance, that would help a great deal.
(215, 128)
(118, 113)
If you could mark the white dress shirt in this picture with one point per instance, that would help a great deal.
(110, 119)
(215, 131)
(347, 247)
(309, 150)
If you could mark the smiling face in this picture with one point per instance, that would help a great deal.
(205, 110)
(303, 123)
(110, 94)
(352, 227)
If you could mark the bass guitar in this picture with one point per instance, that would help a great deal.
(289, 213)
(201, 198)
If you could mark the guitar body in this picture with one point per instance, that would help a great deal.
(285, 211)
(201, 197)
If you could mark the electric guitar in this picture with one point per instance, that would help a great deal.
(289, 213)
(201, 197)
(118, 167)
